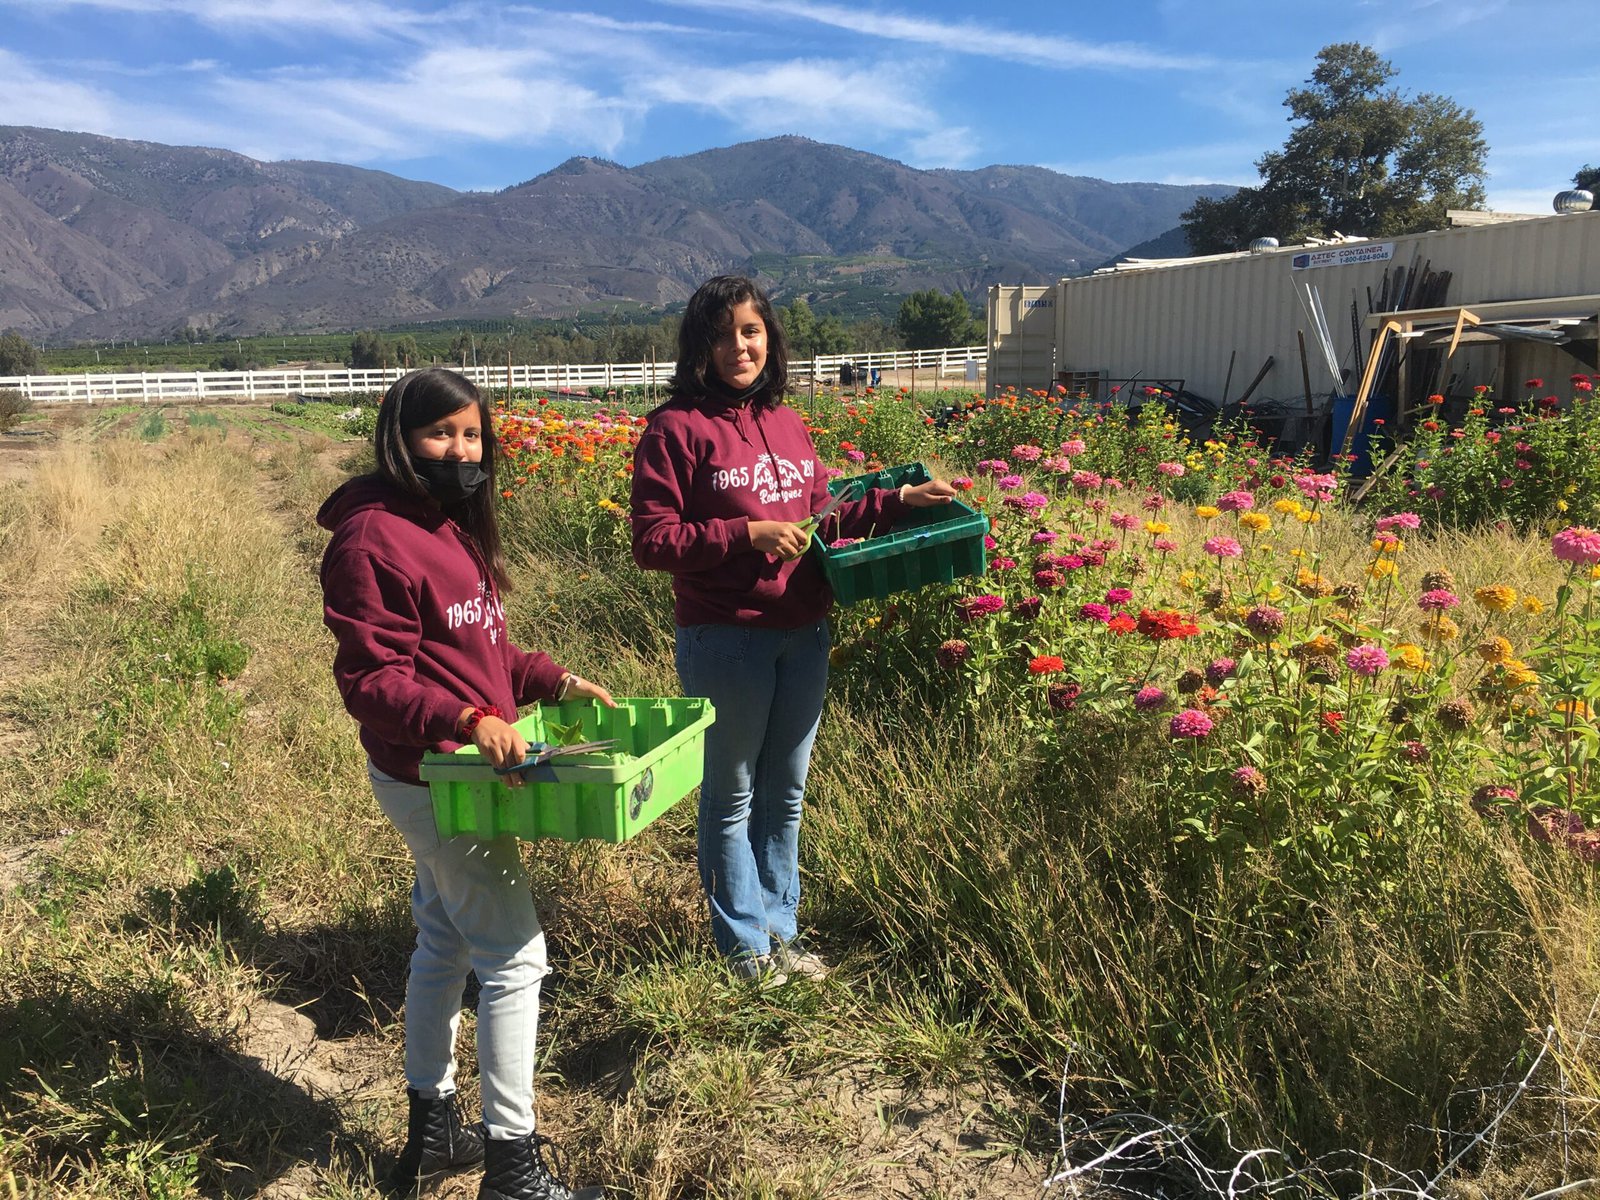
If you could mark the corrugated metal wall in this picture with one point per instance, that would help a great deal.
(1022, 337)
(1184, 321)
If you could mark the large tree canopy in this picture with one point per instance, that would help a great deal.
(1361, 159)
(931, 319)
(18, 356)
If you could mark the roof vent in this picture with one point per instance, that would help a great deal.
(1574, 200)
(1262, 244)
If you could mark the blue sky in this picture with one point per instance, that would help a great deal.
(482, 95)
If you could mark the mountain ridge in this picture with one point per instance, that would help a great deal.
(205, 238)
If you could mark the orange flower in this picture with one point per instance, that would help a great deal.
(1046, 664)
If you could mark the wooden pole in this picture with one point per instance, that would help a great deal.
(1256, 382)
(1305, 369)
(1359, 409)
(1227, 383)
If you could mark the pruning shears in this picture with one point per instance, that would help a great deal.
(540, 753)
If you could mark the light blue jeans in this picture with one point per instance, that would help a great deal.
(768, 687)
(474, 911)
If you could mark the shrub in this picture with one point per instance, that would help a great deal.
(13, 407)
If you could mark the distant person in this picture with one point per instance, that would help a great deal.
(725, 482)
(411, 585)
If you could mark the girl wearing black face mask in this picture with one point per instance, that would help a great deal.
(412, 581)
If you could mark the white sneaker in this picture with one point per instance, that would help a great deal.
(803, 963)
(760, 968)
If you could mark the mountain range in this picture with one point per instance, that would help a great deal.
(105, 238)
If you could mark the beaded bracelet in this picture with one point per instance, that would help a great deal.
(473, 719)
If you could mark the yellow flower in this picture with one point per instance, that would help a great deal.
(1561, 506)
(1287, 506)
(1390, 545)
(1189, 580)
(1322, 645)
(1410, 657)
(1207, 511)
(1495, 650)
(1274, 593)
(1440, 629)
(1576, 707)
(1520, 675)
(1311, 583)
(1532, 604)
(1307, 517)
(1496, 597)
(1255, 522)
(1157, 527)
(1380, 568)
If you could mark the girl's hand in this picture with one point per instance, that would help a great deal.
(926, 495)
(592, 691)
(500, 743)
(783, 539)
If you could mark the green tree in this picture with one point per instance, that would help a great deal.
(931, 318)
(368, 350)
(1587, 178)
(1361, 159)
(463, 350)
(800, 328)
(406, 353)
(18, 356)
(831, 337)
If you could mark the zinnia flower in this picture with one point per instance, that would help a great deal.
(952, 653)
(1095, 612)
(1439, 629)
(1490, 798)
(974, 607)
(1440, 579)
(1248, 782)
(1496, 597)
(1316, 487)
(1207, 511)
(1255, 522)
(1063, 696)
(1173, 470)
(1455, 715)
(1410, 657)
(1264, 621)
(1577, 544)
(1147, 698)
(1191, 723)
(1119, 595)
(1366, 660)
(1235, 501)
(1495, 651)
(1121, 623)
(1223, 547)
(1405, 520)
(1438, 600)
(1045, 664)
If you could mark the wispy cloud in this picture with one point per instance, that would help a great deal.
(357, 20)
(984, 39)
(827, 98)
(1189, 163)
(957, 146)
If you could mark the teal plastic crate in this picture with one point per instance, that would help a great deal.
(659, 760)
(928, 545)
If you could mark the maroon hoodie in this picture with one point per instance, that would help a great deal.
(420, 627)
(703, 470)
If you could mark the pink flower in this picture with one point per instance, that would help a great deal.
(1002, 564)
(1048, 578)
(1164, 545)
(962, 483)
(1095, 612)
(855, 456)
(1218, 670)
(1028, 501)
(1173, 470)
(1124, 521)
(1577, 544)
(1073, 447)
(1086, 480)
(1405, 520)
(1316, 487)
(1009, 483)
(1191, 723)
(1367, 660)
(1119, 595)
(1222, 547)
(1235, 501)
(1438, 600)
(1044, 537)
(1149, 697)
(993, 466)
(1027, 453)
(986, 605)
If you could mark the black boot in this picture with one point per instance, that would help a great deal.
(517, 1169)
(436, 1143)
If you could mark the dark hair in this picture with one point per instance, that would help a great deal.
(421, 398)
(703, 323)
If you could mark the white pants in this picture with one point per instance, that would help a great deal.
(474, 910)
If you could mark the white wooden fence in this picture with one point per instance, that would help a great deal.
(163, 387)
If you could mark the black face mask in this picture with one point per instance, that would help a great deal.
(449, 481)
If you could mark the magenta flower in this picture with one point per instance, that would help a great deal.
(1191, 723)
(1009, 483)
(1437, 600)
(1002, 564)
(1095, 612)
(1028, 607)
(1119, 595)
(994, 466)
(1235, 501)
(855, 456)
(1164, 545)
(1265, 621)
(1218, 670)
(1063, 697)
(1123, 520)
(1223, 547)
(1047, 578)
(1578, 545)
(1147, 698)
(1086, 480)
(1030, 502)
(1366, 660)
(1044, 537)
(986, 605)
(962, 483)
(1248, 782)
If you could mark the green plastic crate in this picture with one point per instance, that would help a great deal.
(928, 545)
(660, 759)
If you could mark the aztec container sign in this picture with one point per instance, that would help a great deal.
(1342, 256)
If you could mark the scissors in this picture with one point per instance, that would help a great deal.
(834, 502)
(540, 753)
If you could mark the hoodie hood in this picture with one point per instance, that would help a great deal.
(367, 492)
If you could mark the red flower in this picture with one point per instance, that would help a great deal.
(1334, 721)
(1045, 664)
(1165, 624)
(1121, 623)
